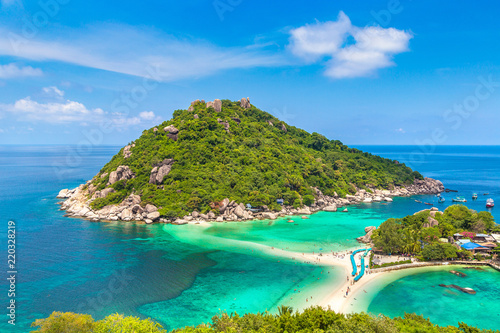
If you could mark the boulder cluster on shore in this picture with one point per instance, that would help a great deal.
(77, 204)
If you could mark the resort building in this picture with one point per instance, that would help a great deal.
(475, 248)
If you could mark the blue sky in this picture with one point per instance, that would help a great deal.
(370, 72)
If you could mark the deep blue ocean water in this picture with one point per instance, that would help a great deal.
(69, 264)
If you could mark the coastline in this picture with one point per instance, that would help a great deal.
(362, 295)
(77, 203)
(329, 293)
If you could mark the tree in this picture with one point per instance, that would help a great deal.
(429, 235)
(119, 323)
(388, 237)
(67, 322)
(439, 251)
(308, 200)
(313, 319)
(411, 240)
(487, 219)
(447, 229)
(459, 216)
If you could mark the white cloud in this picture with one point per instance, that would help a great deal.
(400, 130)
(54, 112)
(124, 49)
(10, 71)
(53, 92)
(126, 122)
(67, 111)
(373, 47)
(317, 40)
(147, 115)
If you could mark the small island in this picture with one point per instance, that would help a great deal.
(428, 235)
(229, 161)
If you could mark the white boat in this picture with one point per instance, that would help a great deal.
(490, 203)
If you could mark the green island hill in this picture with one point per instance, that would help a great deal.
(229, 161)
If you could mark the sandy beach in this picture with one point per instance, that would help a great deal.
(336, 299)
(333, 297)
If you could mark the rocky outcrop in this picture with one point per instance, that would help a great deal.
(223, 205)
(304, 211)
(239, 212)
(431, 222)
(153, 216)
(65, 193)
(123, 172)
(330, 208)
(216, 104)
(160, 171)
(367, 238)
(77, 202)
(245, 103)
(426, 186)
(172, 132)
(126, 151)
(196, 116)
(269, 216)
(103, 193)
(283, 128)
(223, 123)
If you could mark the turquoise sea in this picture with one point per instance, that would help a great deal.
(420, 293)
(183, 275)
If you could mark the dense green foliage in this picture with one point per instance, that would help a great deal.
(413, 233)
(313, 319)
(255, 162)
(439, 251)
(459, 218)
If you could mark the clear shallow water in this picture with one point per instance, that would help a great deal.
(177, 275)
(419, 292)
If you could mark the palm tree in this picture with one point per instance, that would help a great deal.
(285, 309)
(411, 240)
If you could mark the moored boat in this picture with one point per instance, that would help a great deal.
(490, 203)
(459, 199)
(474, 196)
(465, 290)
(441, 200)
